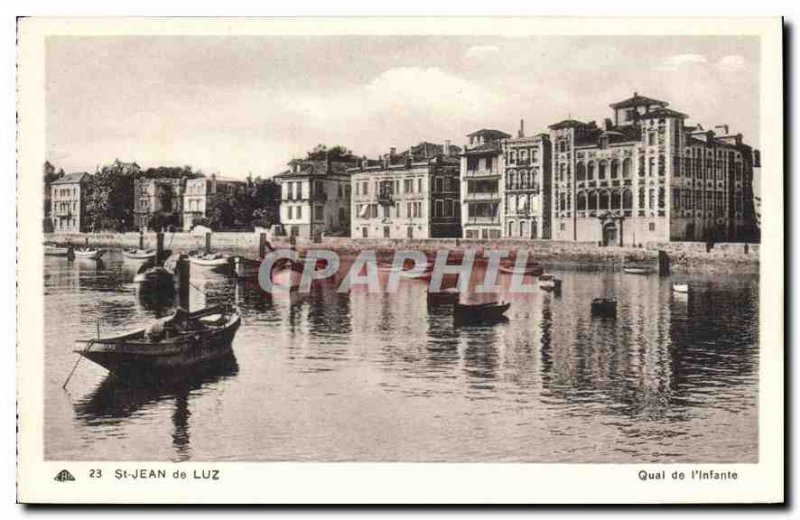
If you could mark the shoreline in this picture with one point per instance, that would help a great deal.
(683, 256)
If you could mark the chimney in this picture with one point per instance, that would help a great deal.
(521, 132)
(392, 151)
(609, 123)
(447, 147)
(363, 161)
(722, 129)
(213, 183)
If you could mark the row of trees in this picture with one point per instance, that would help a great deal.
(109, 196)
(109, 199)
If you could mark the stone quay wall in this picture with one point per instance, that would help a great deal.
(683, 255)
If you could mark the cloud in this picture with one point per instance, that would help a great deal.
(678, 60)
(731, 63)
(480, 51)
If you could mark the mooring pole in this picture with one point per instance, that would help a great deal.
(663, 263)
(208, 242)
(141, 238)
(262, 245)
(159, 247)
(182, 270)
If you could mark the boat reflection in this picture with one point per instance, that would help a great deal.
(116, 399)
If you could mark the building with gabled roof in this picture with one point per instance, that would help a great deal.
(315, 197)
(68, 198)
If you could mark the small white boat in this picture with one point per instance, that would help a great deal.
(548, 282)
(55, 251)
(681, 288)
(89, 253)
(637, 269)
(216, 262)
(139, 254)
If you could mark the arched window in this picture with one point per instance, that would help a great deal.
(592, 201)
(601, 172)
(511, 229)
(626, 168)
(590, 172)
(523, 229)
(641, 198)
(651, 167)
(614, 169)
(534, 203)
(581, 172)
(512, 177)
(661, 198)
(641, 166)
(581, 201)
(562, 202)
(627, 199)
(512, 204)
(603, 200)
(616, 200)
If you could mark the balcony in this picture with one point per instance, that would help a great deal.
(483, 220)
(482, 195)
(482, 173)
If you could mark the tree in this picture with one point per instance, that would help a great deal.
(109, 196)
(335, 153)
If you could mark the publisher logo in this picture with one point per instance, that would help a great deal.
(64, 476)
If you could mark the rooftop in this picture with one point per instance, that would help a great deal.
(70, 178)
(487, 132)
(636, 101)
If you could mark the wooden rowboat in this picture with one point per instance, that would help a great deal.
(88, 253)
(531, 269)
(139, 254)
(480, 313)
(682, 288)
(215, 262)
(180, 341)
(638, 269)
(56, 250)
(606, 307)
(548, 282)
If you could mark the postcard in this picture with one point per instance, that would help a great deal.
(400, 260)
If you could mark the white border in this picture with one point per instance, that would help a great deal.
(392, 483)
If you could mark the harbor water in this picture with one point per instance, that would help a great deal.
(360, 376)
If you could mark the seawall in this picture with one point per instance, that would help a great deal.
(683, 255)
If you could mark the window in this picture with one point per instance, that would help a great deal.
(289, 213)
(627, 199)
(590, 172)
(299, 212)
(652, 226)
(651, 166)
(651, 138)
(626, 169)
(580, 172)
(581, 201)
(438, 209)
(601, 172)
(614, 169)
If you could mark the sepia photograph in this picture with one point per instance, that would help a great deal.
(411, 244)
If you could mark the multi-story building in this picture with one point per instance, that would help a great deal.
(315, 198)
(197, 192)
(163, 196)
(482, 166)
(527, 195)
(413, 194)
(647, 177)
(68, 202)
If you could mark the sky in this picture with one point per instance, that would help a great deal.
(249, 104)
